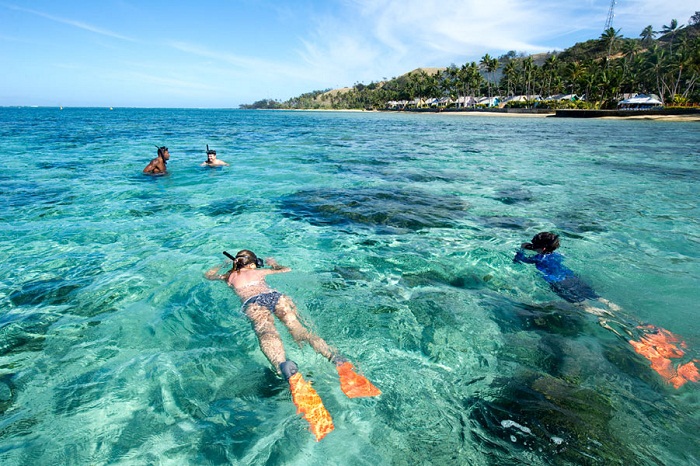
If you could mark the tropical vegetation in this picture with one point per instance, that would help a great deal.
(594, 74)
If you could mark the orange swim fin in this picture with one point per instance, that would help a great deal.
(689, 371)
(353, 384)
(310, 405)
(659, 346)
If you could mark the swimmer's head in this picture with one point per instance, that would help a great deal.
(211, 155)
(546, 241)
(163, 152)
(244, 258)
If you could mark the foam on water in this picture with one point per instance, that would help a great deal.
(400, 230)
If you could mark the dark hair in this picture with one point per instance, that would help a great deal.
(210, 151)
(245, 257)
(162, 150)
(544, 240)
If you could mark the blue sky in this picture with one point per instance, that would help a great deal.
(221, 53)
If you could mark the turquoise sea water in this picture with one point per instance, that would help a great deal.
(400, 230)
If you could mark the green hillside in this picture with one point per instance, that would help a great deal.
(598, 72)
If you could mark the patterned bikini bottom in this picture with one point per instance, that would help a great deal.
(268, 300)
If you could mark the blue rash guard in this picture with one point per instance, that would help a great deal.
(561, 279)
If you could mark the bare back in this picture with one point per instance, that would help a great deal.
(249, 282)
(156, 166)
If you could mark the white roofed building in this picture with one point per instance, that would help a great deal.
(640, 102)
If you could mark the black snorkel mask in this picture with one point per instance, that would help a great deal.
(258, 262)
(210, 151)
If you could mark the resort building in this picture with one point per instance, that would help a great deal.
(641, 102)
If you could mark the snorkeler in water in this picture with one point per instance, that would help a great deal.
(158, 165)
(656, 344)
(212, 161)
(560, 278)
(261, 304)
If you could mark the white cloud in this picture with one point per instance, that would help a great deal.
(633, 17)
(74, 23)
(377, 38)
(246, 65)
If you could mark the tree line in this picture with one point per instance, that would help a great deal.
(599, 72)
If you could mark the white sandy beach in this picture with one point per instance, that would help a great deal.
(695, 117)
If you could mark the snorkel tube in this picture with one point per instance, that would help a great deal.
(161, 153)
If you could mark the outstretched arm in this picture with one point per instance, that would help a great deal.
(276, 268)
(521, 257)
(212, 274)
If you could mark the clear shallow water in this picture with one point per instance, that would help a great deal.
(400, 229)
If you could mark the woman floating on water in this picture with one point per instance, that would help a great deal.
(658, 345)
(260, 303)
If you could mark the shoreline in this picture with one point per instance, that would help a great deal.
(693, 117)
(685, 118)
(425, 112)
(679, 118)
(498, 114)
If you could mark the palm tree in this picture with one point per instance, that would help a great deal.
(609, 38)
(412, 87)
(527, 69)
(693, 67)
(490, 65)
(463, 83)
(589, 80)
(647, 35)
(451, 81)
(425, 85)
(679, 62)
(510, 73)
(484, 64)
(695, 19)
(671, 29)
(550, 69)
(656, 61)
(473, 78)
(635, 80)
(631, 48)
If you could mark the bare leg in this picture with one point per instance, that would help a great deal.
(286, 311)
(268, 337)
(604, 323)
(612, 306)
(596, 311)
